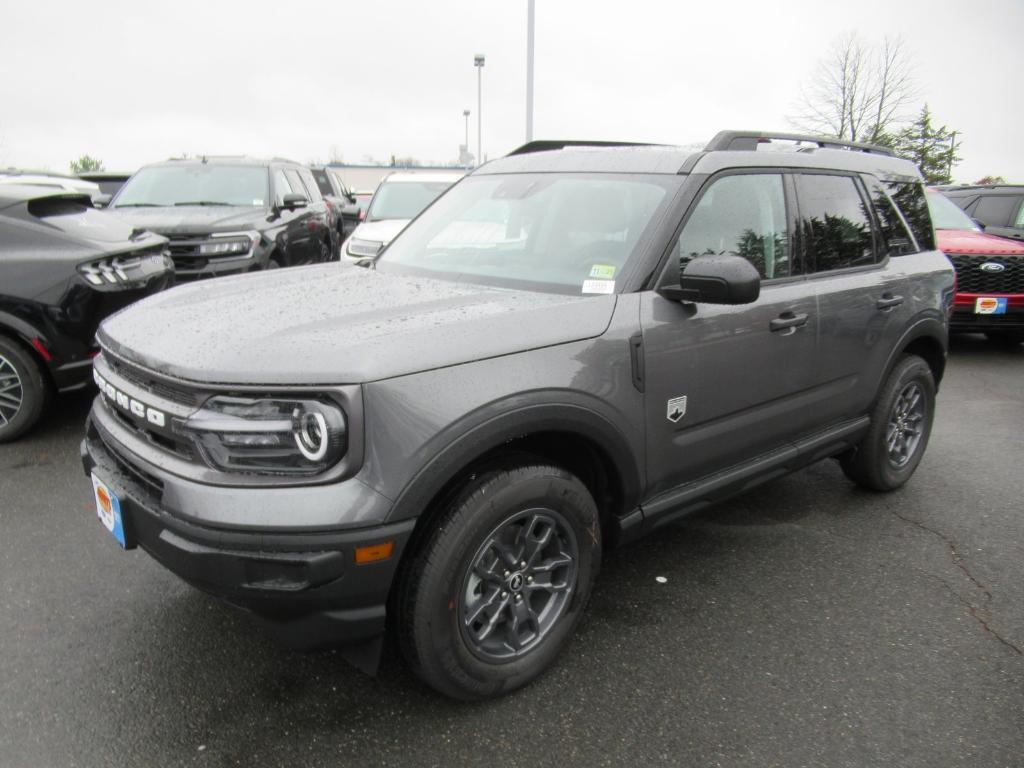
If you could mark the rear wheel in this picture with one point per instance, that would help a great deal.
(901, 423)
(496, 590)
(23, 391)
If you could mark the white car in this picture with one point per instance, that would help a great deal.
(50, 181)
(399, 199)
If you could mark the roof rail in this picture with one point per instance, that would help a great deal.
(545, 145)
(747, 141)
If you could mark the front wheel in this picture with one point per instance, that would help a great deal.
(23, 391)
(901, 423)
(496, 590)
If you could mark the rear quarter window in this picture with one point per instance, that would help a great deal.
(909, 197)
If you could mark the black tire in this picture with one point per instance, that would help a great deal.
(891, 450)
(326, 251)
(436, 632)
(1006, 338)
(23, 391)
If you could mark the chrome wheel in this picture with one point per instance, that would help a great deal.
(12, 393)
(906, 423)
(518, 584)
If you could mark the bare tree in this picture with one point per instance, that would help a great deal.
(858, 92)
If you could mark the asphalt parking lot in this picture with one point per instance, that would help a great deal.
(806, 623)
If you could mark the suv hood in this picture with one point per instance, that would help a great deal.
(193, 219)
(967, 241)
(383, 231)
(331, 325)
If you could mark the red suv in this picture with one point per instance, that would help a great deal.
(989, 273)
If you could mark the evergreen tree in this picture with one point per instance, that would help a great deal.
(85, 163)
(932, 149)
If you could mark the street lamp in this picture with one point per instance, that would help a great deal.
(465, 147)
(478, 62)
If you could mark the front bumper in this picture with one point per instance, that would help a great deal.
(306, 586)
(965, 319)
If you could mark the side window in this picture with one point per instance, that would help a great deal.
(322, 182)
(282, 186)
(311, 187)
(296, 182)
(995, 210)
(1019, 221)
(742, 215)
(910, 199)
(834, 222)
(897, 239)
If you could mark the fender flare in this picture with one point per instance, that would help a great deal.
(929, 327)
(500, 422)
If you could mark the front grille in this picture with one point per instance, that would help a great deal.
(971, 278)
(185, 252)
(148, 481)
(178, 447)
(141, 378)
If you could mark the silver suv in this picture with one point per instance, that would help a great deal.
(572, 347)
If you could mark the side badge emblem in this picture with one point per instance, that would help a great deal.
(676, 409)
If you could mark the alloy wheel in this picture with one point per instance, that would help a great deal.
(906, 425)
(12, 392)
(518, 584)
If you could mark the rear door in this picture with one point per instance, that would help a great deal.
(862, 293)
(726, 383)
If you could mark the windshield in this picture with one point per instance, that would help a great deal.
(404, 199)
(946, 214)
(562, 233)
(195, 185)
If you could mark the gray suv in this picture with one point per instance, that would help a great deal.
(572, 347)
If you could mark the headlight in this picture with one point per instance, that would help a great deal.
(363, 248)
(269, 436)
(126, 269)
(226, 246)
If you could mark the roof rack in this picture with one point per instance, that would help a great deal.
(545, 145)
(747, 141)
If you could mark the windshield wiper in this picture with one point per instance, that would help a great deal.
(137, 205)
(203, 202)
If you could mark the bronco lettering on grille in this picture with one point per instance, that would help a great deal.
(130, 404)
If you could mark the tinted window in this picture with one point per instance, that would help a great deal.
(834, 222)
(995, 210)
(897, 240)
(742, 215)
(914, 207)
(322, 182)
(311, 187)
(282, 186)
(946, 215)
(296, 182)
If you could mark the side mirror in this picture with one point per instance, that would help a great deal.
(717, 280)
(102, 200)
(294, 200)
(979, 224)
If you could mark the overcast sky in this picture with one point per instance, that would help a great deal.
(134, 82)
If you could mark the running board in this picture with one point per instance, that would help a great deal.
(693, 497)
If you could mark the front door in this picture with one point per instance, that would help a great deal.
(726, 383)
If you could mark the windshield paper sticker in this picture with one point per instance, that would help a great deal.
(602, 271)
(598, 286)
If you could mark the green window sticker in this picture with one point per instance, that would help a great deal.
(602, 271)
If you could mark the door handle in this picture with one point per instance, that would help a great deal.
(888, 301)
(788, 320)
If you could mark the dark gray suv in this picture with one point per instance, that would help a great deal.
(572, 347)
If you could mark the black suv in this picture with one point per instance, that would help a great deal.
(340, 200)
(64, 267)
(998, 207)
(568, 349)
(229, 215)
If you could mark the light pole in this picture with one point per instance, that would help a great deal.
(478, 62)
(465, 147)
(952, 149)
(529, 72)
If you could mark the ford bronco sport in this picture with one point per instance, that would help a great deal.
(573, 346)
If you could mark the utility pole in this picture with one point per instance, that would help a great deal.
(478, 62)
(529, 71)
(952, 148)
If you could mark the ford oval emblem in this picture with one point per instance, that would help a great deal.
(992, 266)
